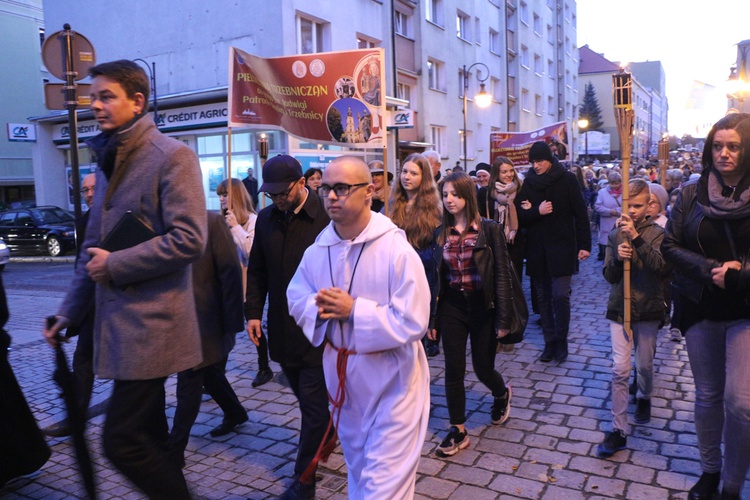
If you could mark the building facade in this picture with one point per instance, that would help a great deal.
(22, 26)
(527, 50)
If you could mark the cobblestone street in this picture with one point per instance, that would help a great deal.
(546, 450)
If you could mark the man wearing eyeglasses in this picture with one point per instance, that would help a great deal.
(361, 292)
(283, 231)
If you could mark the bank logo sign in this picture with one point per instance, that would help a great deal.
(21, 132)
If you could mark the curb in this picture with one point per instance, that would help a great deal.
(44, 258)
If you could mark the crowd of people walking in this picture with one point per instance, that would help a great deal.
(350, 280)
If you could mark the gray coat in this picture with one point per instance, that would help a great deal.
(146, 324)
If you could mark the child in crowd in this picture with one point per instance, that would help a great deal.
(636, 238)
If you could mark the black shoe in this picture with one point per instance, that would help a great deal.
(501, 408)
(549, 352)
(432, 348)
(262, 377)
(561, 351)
(299, 491)
(60, 429)
(706, 487)
(613, 442)
(227, 426)
(633, 389)
(453, 442)
(642, 411)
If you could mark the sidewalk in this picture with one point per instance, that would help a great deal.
(547, 449)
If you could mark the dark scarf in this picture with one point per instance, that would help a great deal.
(105, 146)
(542, 182)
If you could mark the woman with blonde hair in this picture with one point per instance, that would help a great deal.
(414, 206)
(240, 218)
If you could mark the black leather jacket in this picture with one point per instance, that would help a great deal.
(491, 258)
(692, 267)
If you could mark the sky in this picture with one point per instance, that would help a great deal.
(693, 40)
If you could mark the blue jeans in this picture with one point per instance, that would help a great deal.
(719, 353)
(644, 332)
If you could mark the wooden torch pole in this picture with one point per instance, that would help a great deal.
(663, 159)
(623, 102)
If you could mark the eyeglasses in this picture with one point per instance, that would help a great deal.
(282, 194)
(87, 190)
(340, 189)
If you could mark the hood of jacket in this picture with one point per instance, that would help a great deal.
(378, 226)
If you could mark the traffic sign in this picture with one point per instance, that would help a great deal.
(54, 53)
(54, 95)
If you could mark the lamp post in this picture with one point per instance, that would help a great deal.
(583, 124)
(152, 76)
(483, 98)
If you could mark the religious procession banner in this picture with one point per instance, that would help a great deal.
(516, 145)
(331, 97)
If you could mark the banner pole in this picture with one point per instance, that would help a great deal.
(229, 168)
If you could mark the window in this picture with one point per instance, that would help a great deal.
(538, 109)
(41, 36)
(525, 56)
(511, 40)
(435, 74)
(550, 35)
(496, 90)
(511, 87)
(477, 32)
(403, 91)
(524, 13)
(550, 68)
(437, 137)
(525, 104)
(310, 35)
(403, 24)
(537, 24)
(495, 47)
(462, 26)
(365, 42)
(435, 11)
(538, 66)
(550, 105)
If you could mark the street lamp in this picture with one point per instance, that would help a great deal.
(483, 98)
(583, 124)
(152, 76)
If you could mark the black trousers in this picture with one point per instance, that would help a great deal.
(463, 317)
(309, 385)
(136, 438)
(189, 394)
(83, 365)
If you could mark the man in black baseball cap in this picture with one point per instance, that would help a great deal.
(283, 231)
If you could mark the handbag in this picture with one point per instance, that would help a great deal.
(520, 310)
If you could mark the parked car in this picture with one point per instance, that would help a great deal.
(41, 229)
(4, 254)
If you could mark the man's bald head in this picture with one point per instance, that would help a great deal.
(349, 212)
(354, 166)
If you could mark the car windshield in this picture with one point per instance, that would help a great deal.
(52, 215)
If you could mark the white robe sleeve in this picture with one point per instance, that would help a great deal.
(300, 296)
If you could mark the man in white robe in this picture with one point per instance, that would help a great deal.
(361, 288)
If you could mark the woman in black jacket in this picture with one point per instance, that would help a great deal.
(708, 241)
(474, 303)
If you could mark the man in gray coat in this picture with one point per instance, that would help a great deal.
(145, 327)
